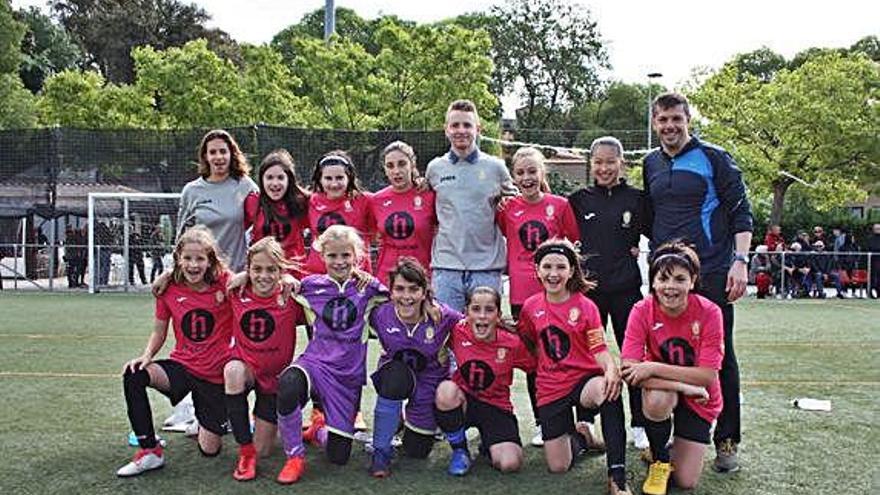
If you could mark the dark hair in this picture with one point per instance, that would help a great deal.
(408, 151)
(463, 106)
(409, 269)
(672, 254)
(336, 157)
(578, 281)
(483, 289)
(670, 100)
(238, 164)
(295, 197)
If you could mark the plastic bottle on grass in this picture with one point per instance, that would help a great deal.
(808, 404)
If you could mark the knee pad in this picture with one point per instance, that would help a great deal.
(394, 381)
(338, 448)
(293, 390)
(417, 445)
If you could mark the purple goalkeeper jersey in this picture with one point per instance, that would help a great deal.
(421, 346)
(337, 312)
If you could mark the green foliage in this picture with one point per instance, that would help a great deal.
(818, 122)
(349, 26)
(108, 30)
(84, 100)
(11, 32)
(552, 47)
(19, 106)
(46, 49)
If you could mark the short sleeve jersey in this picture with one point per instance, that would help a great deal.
(485, 369)
(526, 225)
(286, 230)
(422, 347)
(324, 212)
(264, 335)
(568, 336)
(338, 315)
(202, 327)
(406, 223)
(693, 338)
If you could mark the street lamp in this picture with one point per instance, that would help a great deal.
(651, 75)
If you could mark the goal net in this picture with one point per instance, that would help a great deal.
(130, 236)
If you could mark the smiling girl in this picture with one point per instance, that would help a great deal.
(195, 301)
(333, 366)
(673, 350)
(264, 338)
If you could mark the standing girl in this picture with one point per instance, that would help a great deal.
(333, 366)
(337, 199)
(404, 216)
(673, 350)
(216, 198)
(479, 393)
(413, 334)
(526, 221)
(280, 208)
(195, 301)
(574, 365)
(263, 341)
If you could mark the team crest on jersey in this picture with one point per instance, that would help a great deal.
(549, 211)
(501, 355)
(573, 315)
(429, 335)
(482, 175)
(348, 206)
(417, 202)
(627, 219)
(695, 330)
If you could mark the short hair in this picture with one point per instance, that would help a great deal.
(669, 100)
(463, 106)
(409, 269)
(238, 164)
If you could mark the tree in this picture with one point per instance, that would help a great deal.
(552, 48)
(11, 32)
(84, 100)
(46, 49)
(349, 26)
(815, 125)
(107, 30)
(869, 45)
(19, 106)
(762, 63)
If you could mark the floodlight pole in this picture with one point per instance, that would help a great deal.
(651, 75)
(329, 19)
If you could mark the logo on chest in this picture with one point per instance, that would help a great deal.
(257, 325)
(339, 314)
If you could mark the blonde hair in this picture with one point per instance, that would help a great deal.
(199, 234)
(271, 248)
(343, 234)
(530, 153)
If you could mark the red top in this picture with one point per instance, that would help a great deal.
(526, 225)
(406, 223)
(202, 327)
(288, 231)
(264, 335)
(693, 338)
(772, 240)
(324, 212)
(569, 335)
(485, 369)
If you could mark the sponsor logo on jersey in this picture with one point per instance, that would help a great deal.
(387, 202)
(518, 213)
(657, 326)
(466, 343)
(392, 330)
(181, 299)
(589, 216)
(627, 218)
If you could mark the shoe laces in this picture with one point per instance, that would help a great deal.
(659, 472)
(727, 447)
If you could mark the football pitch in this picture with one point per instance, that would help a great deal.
(63, 425)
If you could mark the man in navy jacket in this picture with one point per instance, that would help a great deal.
(697, 193)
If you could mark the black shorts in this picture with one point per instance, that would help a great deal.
(209, 399)
(557, 417)
(264, 406)
(689, 425)
(495, 424)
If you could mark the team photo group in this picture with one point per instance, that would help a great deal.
(253, 260)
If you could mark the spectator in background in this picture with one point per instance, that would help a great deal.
(105, 241)
(818, 234)
(803, 238)
(837, 238)
(773, 237)
(157, 252)
(136, 256)
(776, 268)
(823, 267)
(797, 268)
(873, 246)
(70, 262)
(760, 271)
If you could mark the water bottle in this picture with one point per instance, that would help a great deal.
(808, 404)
